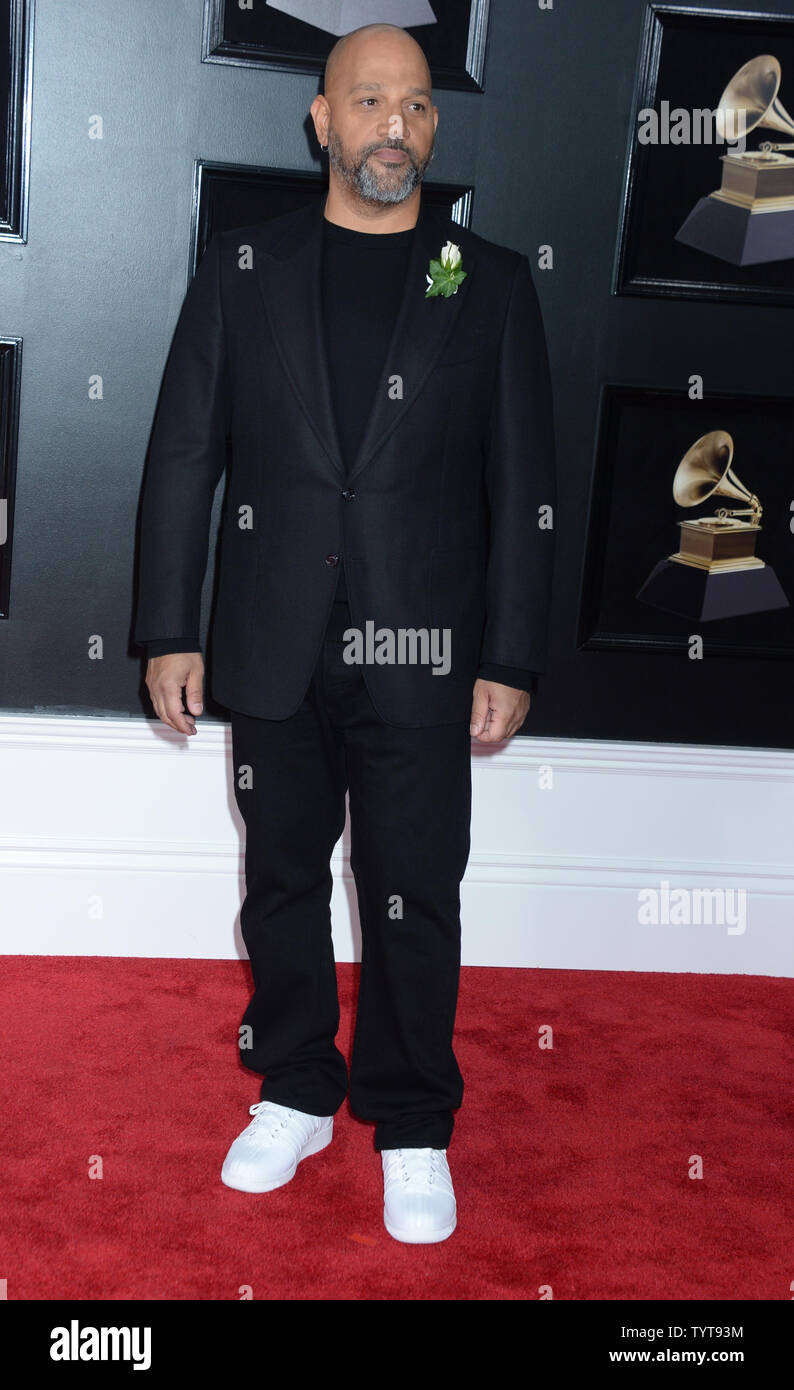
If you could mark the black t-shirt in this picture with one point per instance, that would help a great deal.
(363, 280)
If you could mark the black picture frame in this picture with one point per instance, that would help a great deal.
(265, 37)
(687, 56)
(234, 195)
(16, 88)
(10, 379)
(642, 435)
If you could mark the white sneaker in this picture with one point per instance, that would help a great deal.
(418, 1198)
(269, 1150)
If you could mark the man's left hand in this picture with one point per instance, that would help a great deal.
(497, 711)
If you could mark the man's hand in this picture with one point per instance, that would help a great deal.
(497, 711)
(165, 678)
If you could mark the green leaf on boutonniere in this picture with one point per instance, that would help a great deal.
(445, 273)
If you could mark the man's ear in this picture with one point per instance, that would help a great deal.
(319, 112)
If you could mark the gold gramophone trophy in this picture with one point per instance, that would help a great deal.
(715, 573)
(750, 218)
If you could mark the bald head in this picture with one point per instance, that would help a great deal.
(370, 42)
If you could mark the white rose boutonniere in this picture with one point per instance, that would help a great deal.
(445, 273)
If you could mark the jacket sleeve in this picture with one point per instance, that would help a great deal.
(187, 455)
(167, 646)
(508, 675)
(520, 480)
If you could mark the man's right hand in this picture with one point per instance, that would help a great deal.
(165, 678)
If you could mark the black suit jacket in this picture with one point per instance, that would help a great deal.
(438, 517)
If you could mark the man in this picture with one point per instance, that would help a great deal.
(384, 581)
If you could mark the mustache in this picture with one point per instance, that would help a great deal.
(387, 145)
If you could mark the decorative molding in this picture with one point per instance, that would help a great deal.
(215, 48)
(51, 733)
(15, 159)
(495, 869)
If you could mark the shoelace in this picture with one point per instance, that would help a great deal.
(419, 1168)
(268, 1110)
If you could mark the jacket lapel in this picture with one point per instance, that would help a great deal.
(289, 280)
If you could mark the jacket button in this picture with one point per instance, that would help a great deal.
(332, 559)
(348, 494)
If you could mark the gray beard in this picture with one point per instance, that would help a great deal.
(366, 182)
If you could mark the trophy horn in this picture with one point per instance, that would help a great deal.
(753, 89)
(705, 470)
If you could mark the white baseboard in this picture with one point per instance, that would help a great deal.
(121, 838)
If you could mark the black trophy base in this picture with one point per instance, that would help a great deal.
(737, 235)
(694, 593)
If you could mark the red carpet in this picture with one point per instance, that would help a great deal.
(571, 1165)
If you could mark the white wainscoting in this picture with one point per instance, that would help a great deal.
(121, 838)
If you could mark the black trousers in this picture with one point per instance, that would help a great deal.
(410, 813)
